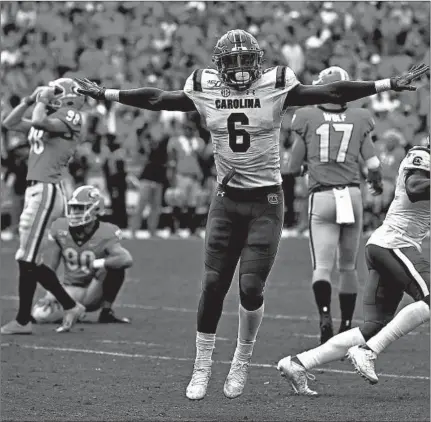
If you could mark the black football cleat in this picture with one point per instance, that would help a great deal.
(107, 316)
(326, 328)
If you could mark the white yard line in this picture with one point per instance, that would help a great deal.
(180, 359)
(228, 313)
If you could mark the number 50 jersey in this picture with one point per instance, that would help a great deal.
(244, 125)
(78, 257)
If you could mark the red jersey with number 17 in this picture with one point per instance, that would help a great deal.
(50, 152)
(334, 141)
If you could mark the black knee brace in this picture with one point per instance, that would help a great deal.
(251, 288)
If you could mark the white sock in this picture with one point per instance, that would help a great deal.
(405, 321)
(335, 348)
(204, 349)
(249, 323)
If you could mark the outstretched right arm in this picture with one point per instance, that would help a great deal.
(147, 98)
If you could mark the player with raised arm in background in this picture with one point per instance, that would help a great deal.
(396, 266)
(331, 138)
(95, 263)
(53, 132)
(242, 106)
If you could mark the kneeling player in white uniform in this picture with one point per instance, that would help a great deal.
(396, 266)
(94, 260)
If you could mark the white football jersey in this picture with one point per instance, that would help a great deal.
(244, 125)
(406, 223)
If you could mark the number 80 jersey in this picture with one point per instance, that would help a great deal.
(78, 257)
(244, 125)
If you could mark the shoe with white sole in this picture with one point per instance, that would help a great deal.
(236, 379)
(70, 317)
(197, 388)
(363, 360)
(14, 327)
(297, 375)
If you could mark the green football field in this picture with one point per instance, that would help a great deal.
(140, 371)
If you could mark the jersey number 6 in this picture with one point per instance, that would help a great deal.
(239, 139)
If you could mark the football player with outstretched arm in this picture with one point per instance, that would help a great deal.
(331, 138)
(94, 261)
(396, 266)
(242, 106)
(53, 132)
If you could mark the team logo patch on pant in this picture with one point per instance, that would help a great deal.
(273, 199)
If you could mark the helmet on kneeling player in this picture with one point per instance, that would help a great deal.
(85, 206)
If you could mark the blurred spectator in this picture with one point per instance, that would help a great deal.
(114, 170)
(153, 147)
(14, 160)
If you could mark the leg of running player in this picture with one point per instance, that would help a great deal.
(348, 249)
(381, 299)
(112, 283)
(223, 245)
(257, 258)
(324, 237)
(411, 270)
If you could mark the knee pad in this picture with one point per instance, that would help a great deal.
(251, 287)
(322, 274)
(213, 283)
(348, 281)
(371, 328)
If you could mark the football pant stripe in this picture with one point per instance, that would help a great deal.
(36, 224)
(197, 80)
(51, 194)
(410, 268)
(310, 223)
(280, 80)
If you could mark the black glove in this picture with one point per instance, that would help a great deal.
(91, 89)
(375, 183)
(403, 82)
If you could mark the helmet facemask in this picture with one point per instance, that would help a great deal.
(81, 214)
(239, 69)
(65, 94)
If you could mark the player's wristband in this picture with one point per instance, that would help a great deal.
(382, 85)
(99, 263)
(112, 94)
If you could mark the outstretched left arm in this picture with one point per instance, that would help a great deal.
(344, 91)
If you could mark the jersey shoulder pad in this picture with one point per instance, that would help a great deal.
(417, 159)
(301, 117)
(71, 117)
(367, 118)
(58, 228)
(285, 78)
(110, 231)
(202, 79)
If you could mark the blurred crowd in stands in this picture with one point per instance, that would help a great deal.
(128, 152)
